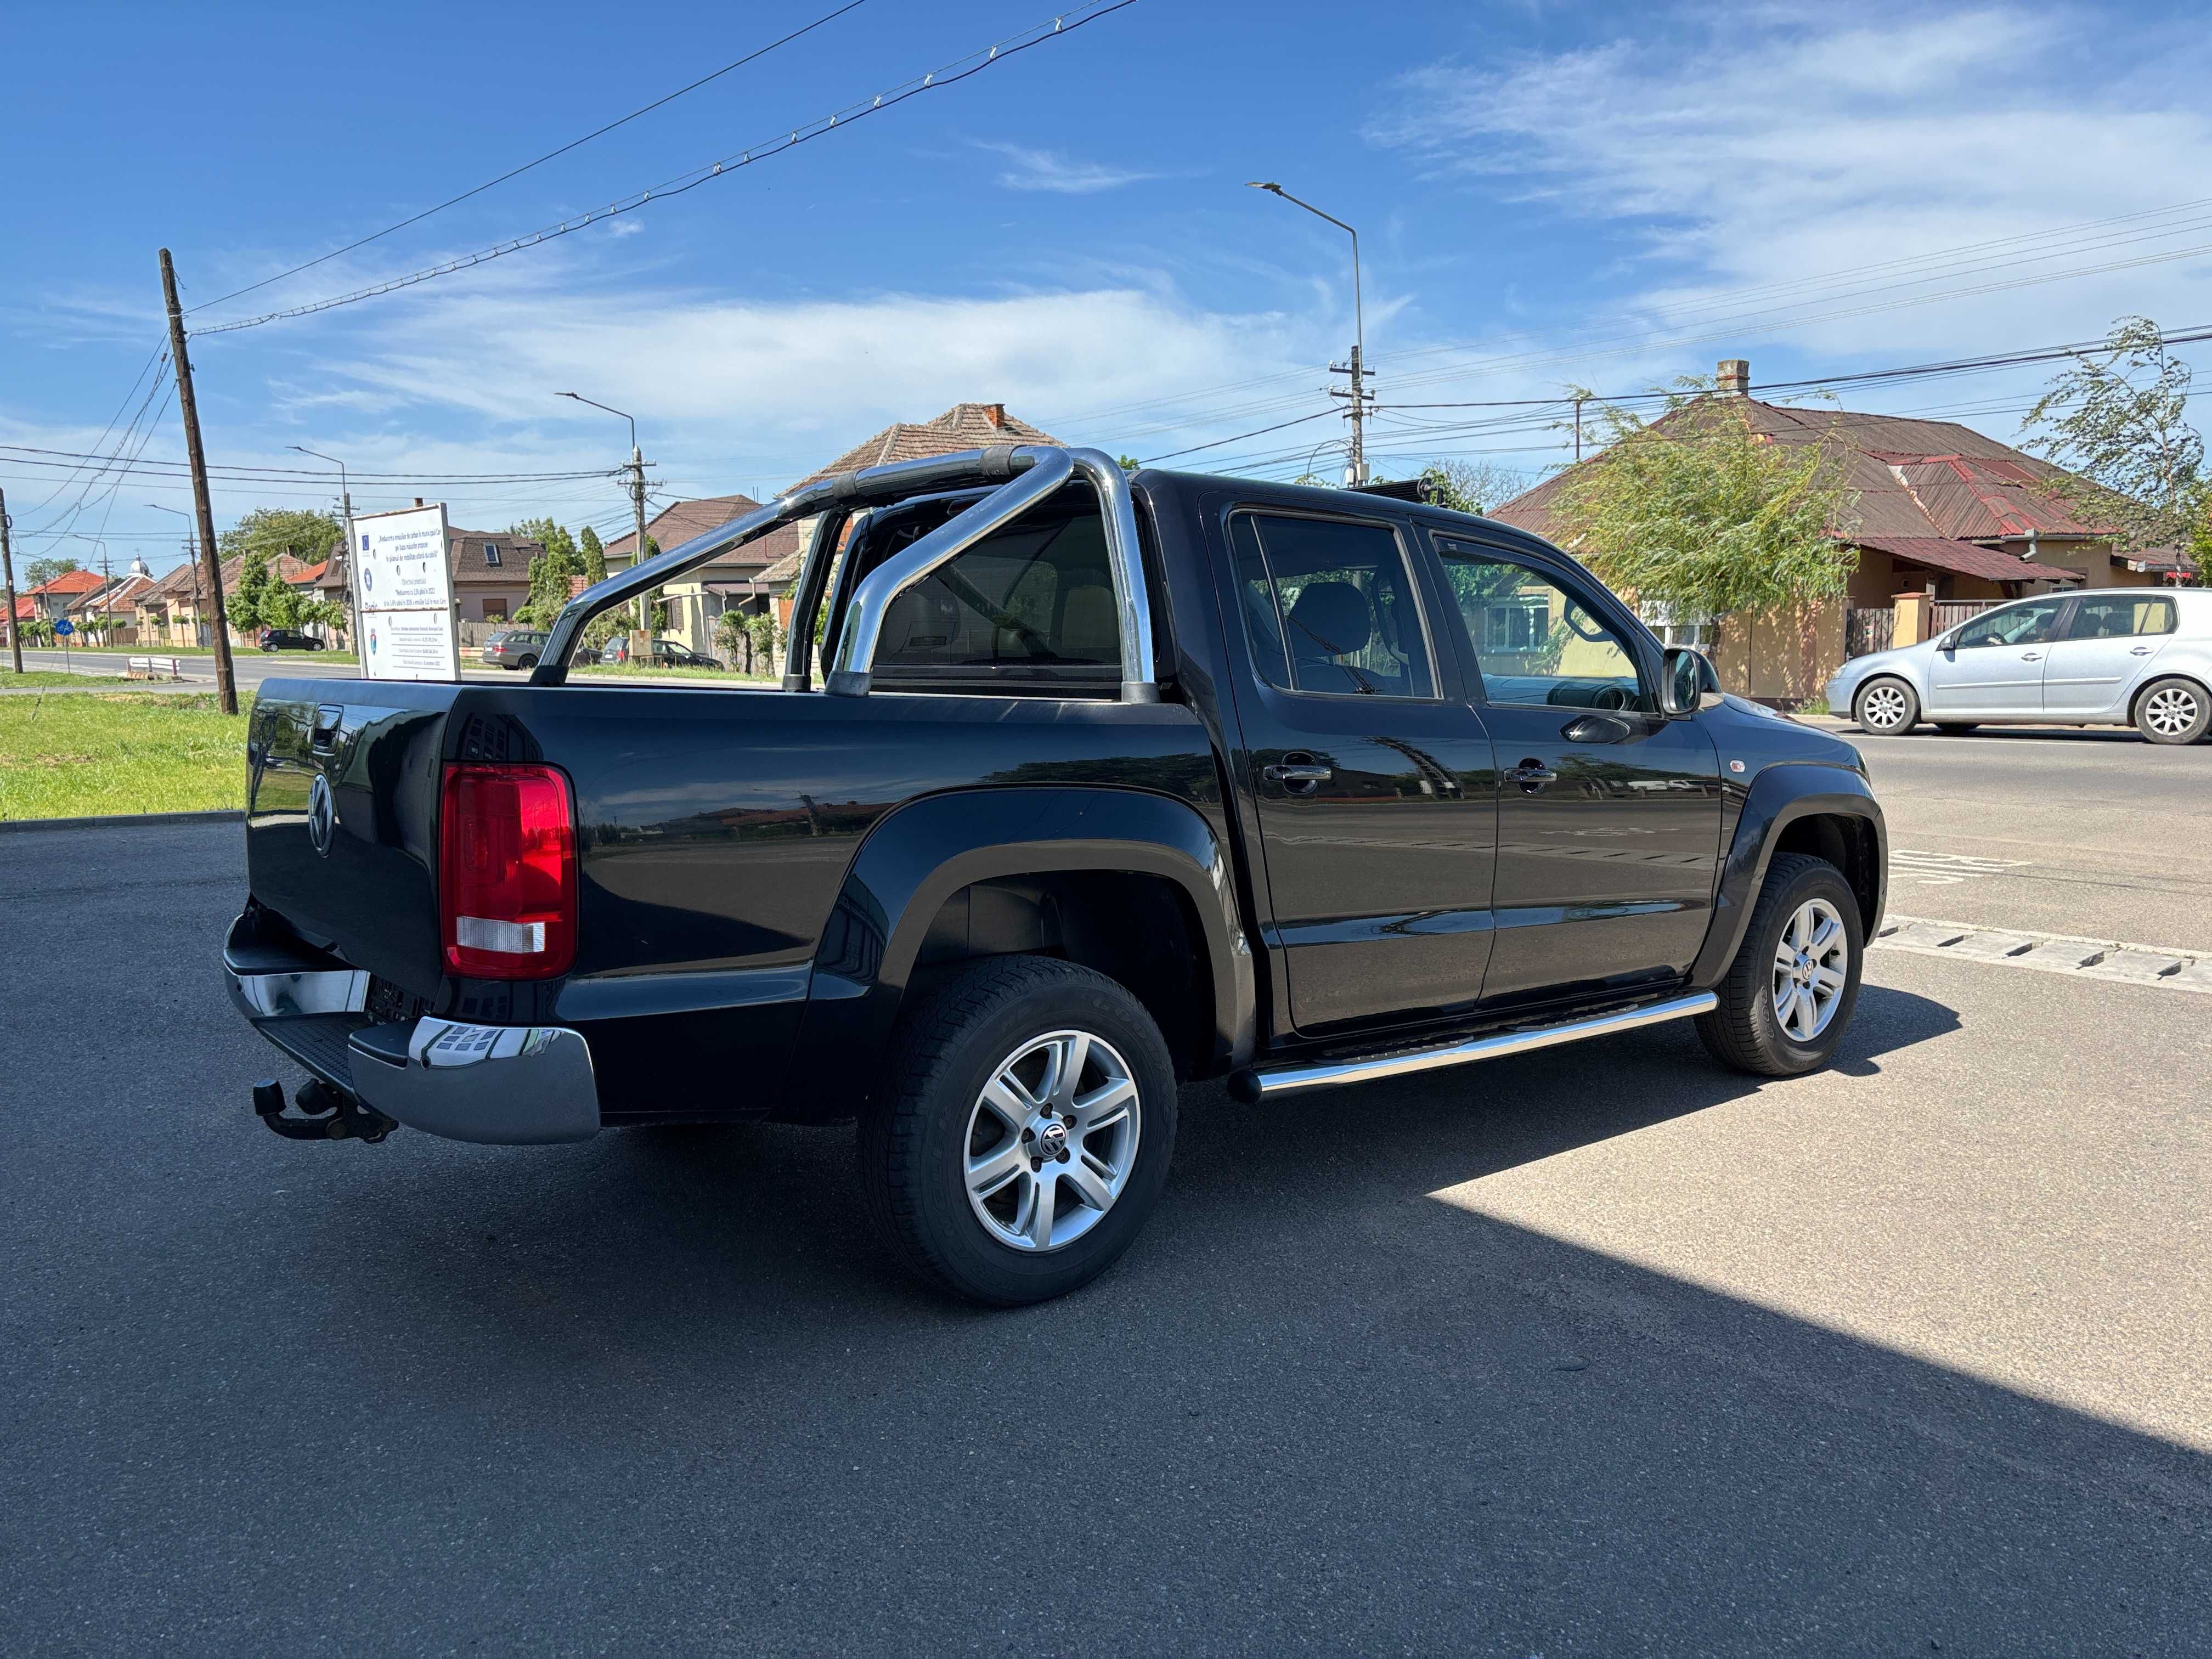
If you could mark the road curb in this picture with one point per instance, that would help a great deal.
(121, 821)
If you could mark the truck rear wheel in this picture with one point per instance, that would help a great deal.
(1023, 1132)
(1790, 992)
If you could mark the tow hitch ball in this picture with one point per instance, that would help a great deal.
(326, 1114)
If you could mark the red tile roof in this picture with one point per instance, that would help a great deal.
(73, 581)
(1933, 483)
(680, 521)
(963, 426)
(1963, 558)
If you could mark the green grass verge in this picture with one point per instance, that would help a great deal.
(43, 677)
(95, 756)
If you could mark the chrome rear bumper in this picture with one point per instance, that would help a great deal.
(498, 1085)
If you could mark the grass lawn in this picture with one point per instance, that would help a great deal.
(42, 677)
(106, 752)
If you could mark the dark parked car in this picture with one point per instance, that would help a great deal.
(1111, 782)
(666, 654)
(289, 639)
(514, 648)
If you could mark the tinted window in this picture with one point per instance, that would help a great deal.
(2016, 624)
(1536, 642)
(1036, 601)
(1330, 607)
(2121, 617)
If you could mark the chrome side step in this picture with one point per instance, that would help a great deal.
(1253, 1085)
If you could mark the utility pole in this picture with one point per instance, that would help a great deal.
(8, 568)
(1578, 427)
(1357, 369)
(225, 687)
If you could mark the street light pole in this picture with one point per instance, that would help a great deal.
(1359, 367)
(637, 507)
(7, 571)
(345, 499)
(192, 556)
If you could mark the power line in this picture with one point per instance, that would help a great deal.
(516, 173)
(241, 469)
(959, 69)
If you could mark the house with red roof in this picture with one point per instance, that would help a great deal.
(1943, 517)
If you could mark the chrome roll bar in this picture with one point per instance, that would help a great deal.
(1009, 466)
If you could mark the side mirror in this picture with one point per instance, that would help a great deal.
(1687, 677)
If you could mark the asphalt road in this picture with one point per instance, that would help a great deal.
(251, 667)
(2095, 833)
(1594, 1351)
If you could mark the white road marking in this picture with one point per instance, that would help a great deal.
(1947, 869)
(2050, 953)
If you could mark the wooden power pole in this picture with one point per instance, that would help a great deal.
(225, 685)
(8, 568)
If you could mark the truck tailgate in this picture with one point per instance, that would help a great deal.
(341, 820)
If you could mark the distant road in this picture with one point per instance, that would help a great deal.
(252, 666)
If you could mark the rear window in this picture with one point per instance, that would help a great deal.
(1029, 605)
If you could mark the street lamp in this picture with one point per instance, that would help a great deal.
(1358, 324)
(345, 500)
(637, 503)
(191, 556)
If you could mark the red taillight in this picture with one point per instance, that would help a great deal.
(506, 872)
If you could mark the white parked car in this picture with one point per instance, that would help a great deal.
(2105, 656)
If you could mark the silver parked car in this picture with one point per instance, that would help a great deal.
(2106, 656)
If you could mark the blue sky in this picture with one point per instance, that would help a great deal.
(1546, 193)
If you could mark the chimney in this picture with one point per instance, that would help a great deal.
(1732, 378)
(996, 415)
(418, 501)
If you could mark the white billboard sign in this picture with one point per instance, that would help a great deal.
(403, 584)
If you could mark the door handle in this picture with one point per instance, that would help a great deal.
(2031, 656)
(1531, 774)
(2140, 651)
(1299, 774)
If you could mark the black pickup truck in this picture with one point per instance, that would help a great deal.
(1108, 782)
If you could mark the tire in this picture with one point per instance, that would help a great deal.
(1956, 728)
(529, 661)
(1885, 708)
(2173, 711)
(1748, 1030)
(932, 1126)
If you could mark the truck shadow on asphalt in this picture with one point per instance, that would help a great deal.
(426, 1396)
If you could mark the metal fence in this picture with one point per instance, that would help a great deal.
(1868, 630)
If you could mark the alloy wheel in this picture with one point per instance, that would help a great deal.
(2171, 711)
(1052, 1140)
(1812, 965)
(1884, 706)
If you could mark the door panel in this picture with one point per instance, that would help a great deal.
(2109, 645)
(1994, 663)
(1376, 807)
(1608, 814)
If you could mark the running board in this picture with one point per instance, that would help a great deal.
(1252, 1085)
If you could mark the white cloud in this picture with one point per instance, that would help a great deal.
(1050, 170)
(1743, 149)
(619, 228)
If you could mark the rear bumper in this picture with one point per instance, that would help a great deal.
(498, 1085)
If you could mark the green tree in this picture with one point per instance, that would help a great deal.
(2116, 419)
(39, 572)
(1127, 463)
(595, 557)
(275, 531)
(1476, 487)
(244, 604)
(545, 531)
(549, 585)
(1697, 512)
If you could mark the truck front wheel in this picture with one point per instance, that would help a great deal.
(1788, 994)
(1023, 1133)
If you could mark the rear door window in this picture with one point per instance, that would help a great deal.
(1329, 606)
(2121, 616)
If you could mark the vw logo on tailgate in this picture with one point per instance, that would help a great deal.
(322, 814)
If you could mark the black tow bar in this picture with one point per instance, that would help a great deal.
(327, 1114)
